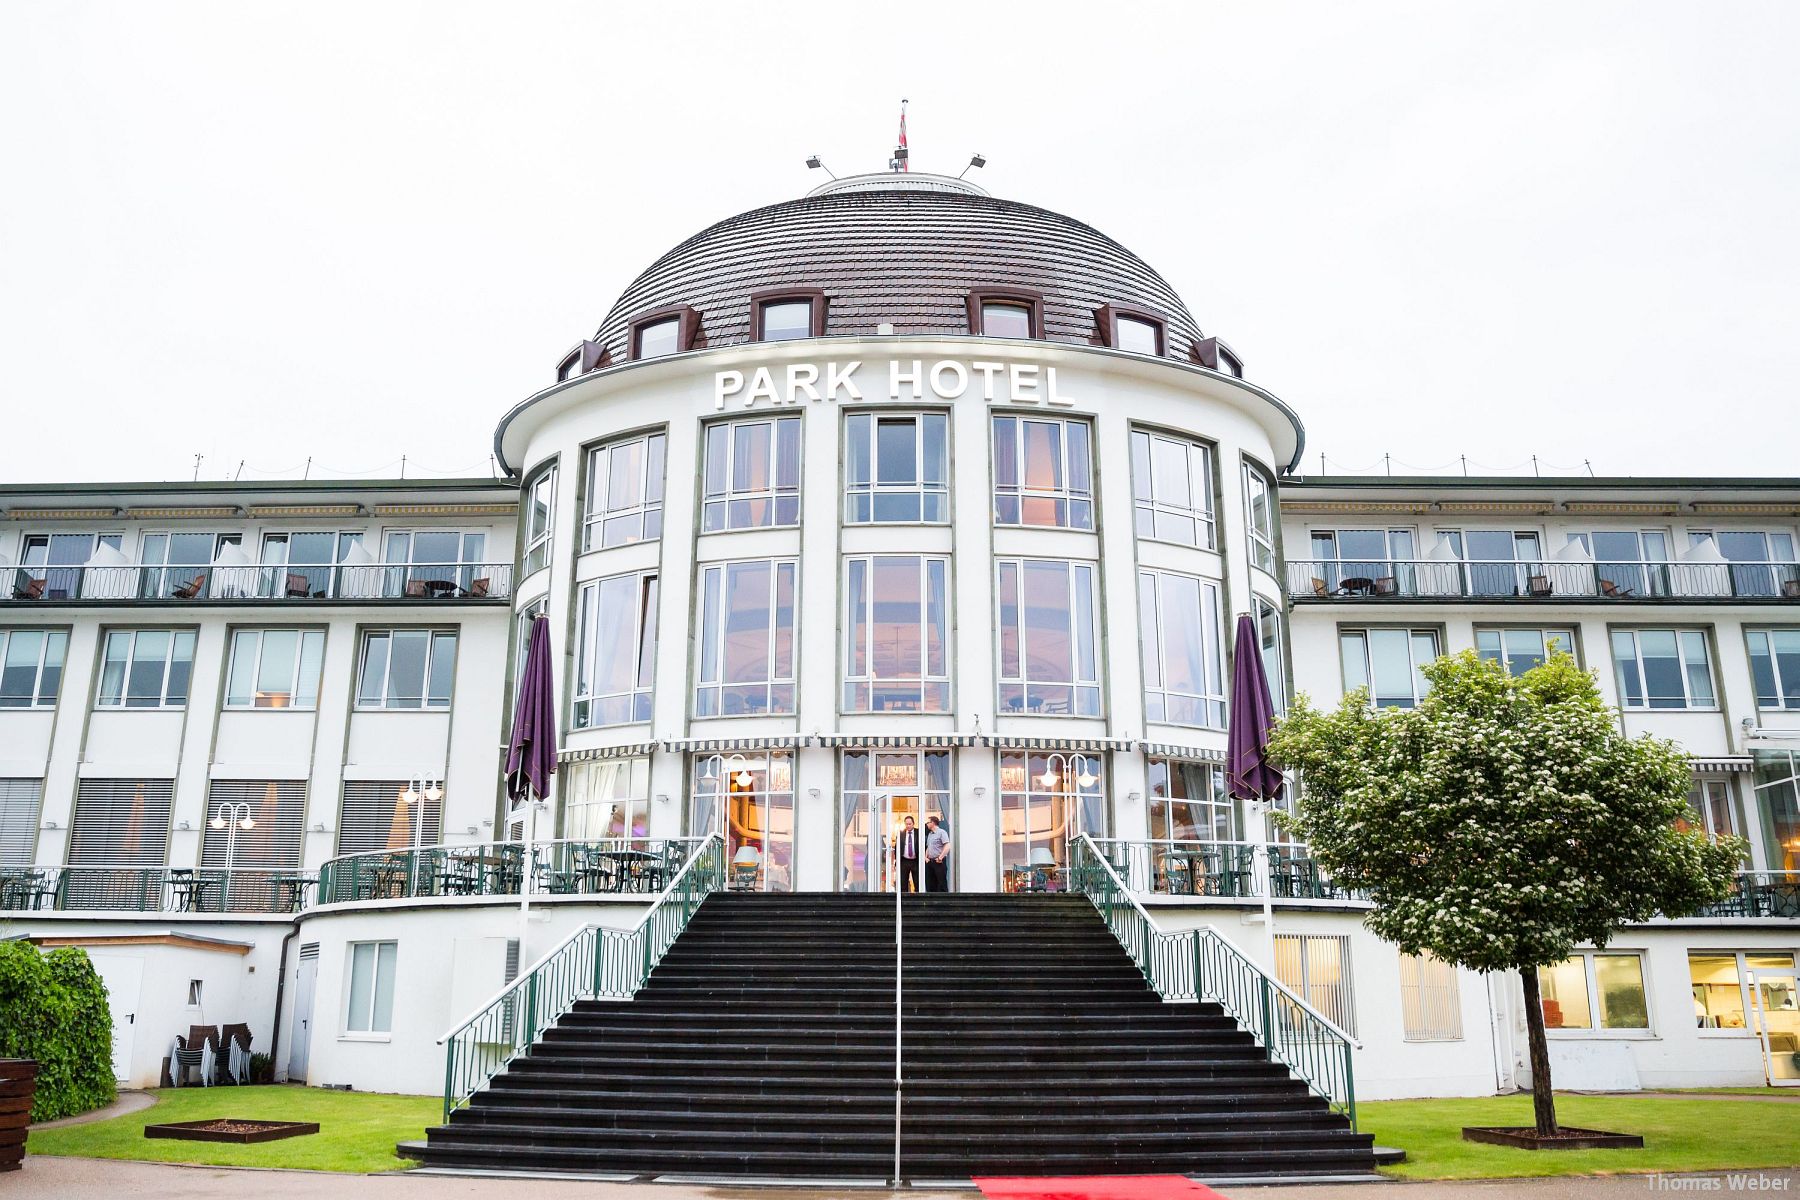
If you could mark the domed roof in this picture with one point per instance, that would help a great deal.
(904, 250)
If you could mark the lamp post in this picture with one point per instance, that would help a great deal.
(231, 818)
(716, 773)
(1085, 781)
(418, 789)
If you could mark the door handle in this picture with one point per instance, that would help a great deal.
(131, 1018)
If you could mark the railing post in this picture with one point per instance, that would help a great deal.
(531, 1013)
(1199, 967)
(449, 1078)
(1349, 1088)
(1268, 1016)
(597, 964)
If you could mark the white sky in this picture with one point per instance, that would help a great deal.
(260, 232)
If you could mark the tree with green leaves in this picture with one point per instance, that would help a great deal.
(1502, 822)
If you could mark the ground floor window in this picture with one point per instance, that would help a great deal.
(608, 798)
(1317, 968)
(1047, 800)
(1430, 1002)
(1595, 990)
(881, 789)
(1720, 982)
(369, 1006)
(749, 800)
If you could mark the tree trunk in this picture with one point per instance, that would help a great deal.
(1543, 1100)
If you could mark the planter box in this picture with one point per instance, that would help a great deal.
(18, 1085)
(1567, 1137)
(231, 1129)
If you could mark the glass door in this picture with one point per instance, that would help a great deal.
(881, 790)
(1775, 1003)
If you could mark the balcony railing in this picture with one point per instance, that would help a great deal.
(1217, 869)
(1421, 579)
(1759, 894)
(153, 889)
(611, 866)
(205, 583)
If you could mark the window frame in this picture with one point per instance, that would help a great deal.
(927, 680)
(536, 544)
(1701, 802)
(1205, 487)
(1747, 1006)
(595, 517)
(1022, 680)
(775, 678)
(1216, 803)
(873, 489)
(584, 356)
(1152, 642)
(1414, 1007)
(236, 633)
(1636, 661)
(1268, 541)
(640, 697)
(772, 495)
(762, 299)
(1028, 299)
(122, 704)
(425, 705)
(1570, 646)
(53, 636)
(1304, 986)
(1773, 659)
(1108, 316)
(1595, 1014)
(1273, 650)
(386, 951)
(1420, 688)
(1213, 354)
(583, 779)
(685, 332)
(1066, 496)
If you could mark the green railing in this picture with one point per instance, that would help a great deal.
(590, 963)
(1201, 964)
(637, 865)
(126, 888)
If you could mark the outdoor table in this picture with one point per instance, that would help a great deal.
(630, 867)
(440, 587)
(1356, 585)
(189, 890)
(290, 892)
(1179, 874)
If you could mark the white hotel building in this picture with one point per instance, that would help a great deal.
(896, 491)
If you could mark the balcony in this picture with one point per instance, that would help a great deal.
(208, 584)
(1759, 894)
(1565, 582)
(1218, 870)
(243, 891)
(612, 866)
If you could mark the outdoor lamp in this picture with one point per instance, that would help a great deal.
(1086, 778)
(247, 823)
(745, 779)
(409, 796)
(434, 793)
(1041, 857)
(218, 821)
(746, 856)
(1049, 777)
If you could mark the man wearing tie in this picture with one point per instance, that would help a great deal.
(909, 856)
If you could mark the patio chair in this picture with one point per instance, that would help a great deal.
(296, 585)
(237, 1052)
(33, 589)
(1613, 591)
(743, 876)
(188, 591)
(1538, 586)
(182, 1060)
(416, 590)
(477, 590)
(1790, 588)
(1319, 588)
(1387, 585)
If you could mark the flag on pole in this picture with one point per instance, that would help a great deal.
(903, 155)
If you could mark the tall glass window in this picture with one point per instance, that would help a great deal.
(1519, 650)
(1049, 655)
(1762, 561)
(184, 562)
(606, 798)
(31, 666)
(896, 468)
(1592, 990)
(1375, 562)
(1777, 790)
(887, 785)
(1172, 492)
(1387, 662)
(302, 563)
(1043, 473)
(897, 634)
(1629, 562)
(752, 475)
(1662, 668)
(274, 668)
(1184, 673)
(439, 563)
(1500, 562)
(1259, 516)
(146, 668)
(540, 510)
(1710, 802)
(1189, 803)
(749, 800)
(615, 668)
(406, 668)
(1317, 968)
(1047, 801)
(50, 563)
(625, 492)
(1774, 666)
(369, 1007)
(1268, 629)
(746, 639)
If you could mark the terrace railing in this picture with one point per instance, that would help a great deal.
(1217, 869)
(595, 867)
(105, 888)
(1544, 579)
(1759, 894)
(591, 963)
(206, 583)
(1203, 965)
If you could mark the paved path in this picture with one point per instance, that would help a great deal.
(128, 1102)
(105, 1179)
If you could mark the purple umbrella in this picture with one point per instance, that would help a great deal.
(531, 757)
(1248, 772)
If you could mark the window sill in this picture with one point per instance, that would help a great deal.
(596, 727)
(435, 710)
(1160, 541)
(1651, 712)
(365, 1037)
(269, 708)
(746, 529)
(1601, 1035)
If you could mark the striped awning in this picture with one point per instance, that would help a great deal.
(1728, 762)
(630, 750)
(1080, 745)
(897, 741)
(1191, 753)
(779, 741)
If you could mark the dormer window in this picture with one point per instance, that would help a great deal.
(1211, 352)
(1131, 330)
(579, 361)
(1006, 314)
(664, 332)
(788, 314)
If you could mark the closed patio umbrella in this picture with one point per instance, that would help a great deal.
(531, 755)
(1702, 571)
(107, 575)
(1572, 570)
(234, 572)
(1249, 775)
(1441, 572)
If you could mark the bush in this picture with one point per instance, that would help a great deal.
(53, 1009)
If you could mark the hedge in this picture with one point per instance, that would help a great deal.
(53, 1009)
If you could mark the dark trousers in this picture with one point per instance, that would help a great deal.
(937, 876)
(909, 870)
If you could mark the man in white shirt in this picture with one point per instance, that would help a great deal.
(937, 856)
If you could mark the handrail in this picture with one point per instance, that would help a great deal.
(1204, 965)
(590, 963)
(1541, 578)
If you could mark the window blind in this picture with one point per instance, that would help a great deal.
(21, 801)
(121, 822)
(278, 808)
(1429, 1001)
(374, 817)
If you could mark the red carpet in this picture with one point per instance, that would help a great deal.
(1094, 1187)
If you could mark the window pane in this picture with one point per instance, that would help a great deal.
(1563, 991)
(1620, 978)
(896, 451)
(408, 650)
(1718, 994)
(857, 472)
(1661, 664)
(362, 986)
(1139, 337)
(443, 669)
(19, 672)
(1000, 319)
(275, 670)
(659, 338)
(370, 689)
(149, 666)
(785, 320)
(382, 1020)
(312, 652)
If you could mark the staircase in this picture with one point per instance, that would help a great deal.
(763, 1045)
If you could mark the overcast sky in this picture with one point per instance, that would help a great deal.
(263, 232)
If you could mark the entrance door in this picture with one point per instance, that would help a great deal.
(303, 1013)
(881, 789)
(124, 979)
(1775, 1002)
(890, 811)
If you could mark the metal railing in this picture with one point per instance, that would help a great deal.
(640, 866)
(1224, 870)
(590, 963)
(106, 888)
(1543, 579)
(1201, 964)
(1759, 894)
(209, 583)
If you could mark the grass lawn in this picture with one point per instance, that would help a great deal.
(1679, 1135)
(357, 1130)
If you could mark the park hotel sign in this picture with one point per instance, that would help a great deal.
(905, 380)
